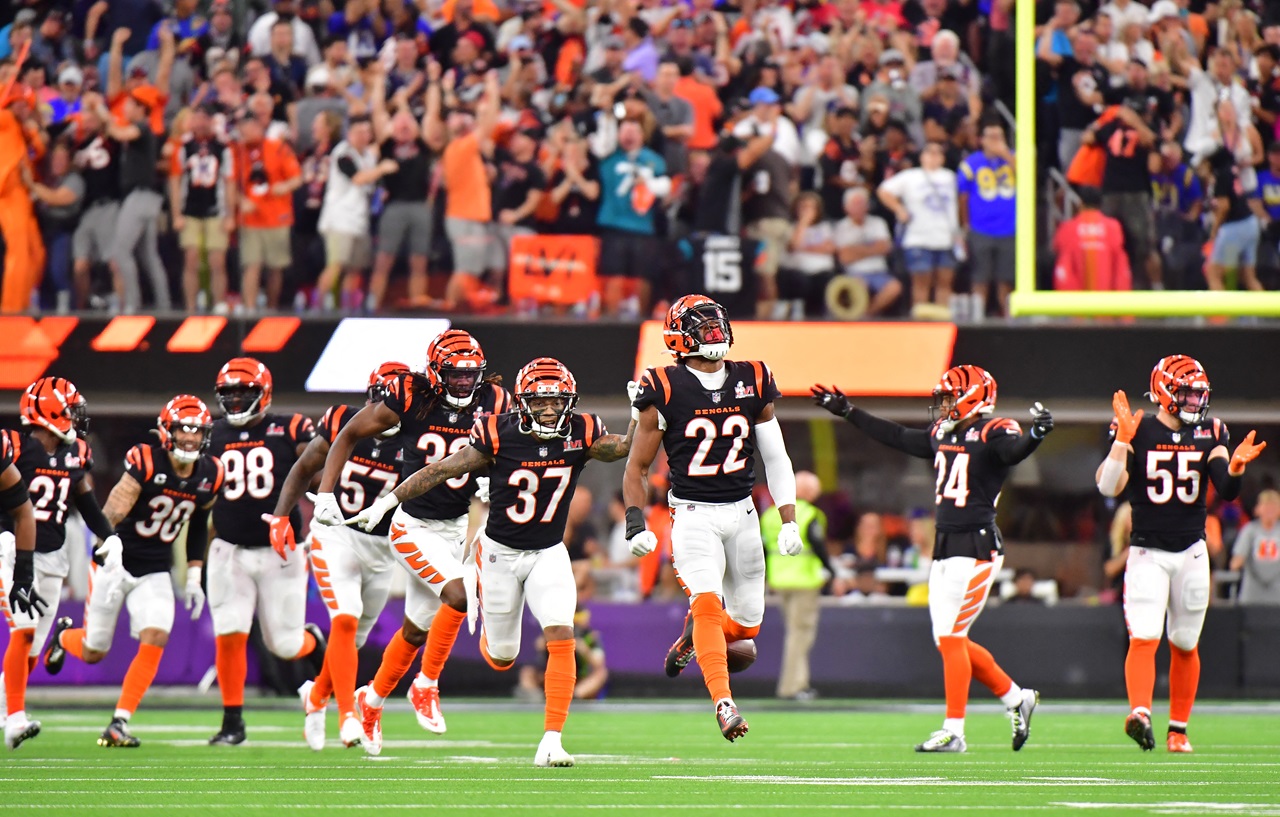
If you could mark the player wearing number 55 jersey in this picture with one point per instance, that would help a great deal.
(972, 452)
(711, 415)
(1164, 461)
(257, 448)
(535, 456)
(166, 486)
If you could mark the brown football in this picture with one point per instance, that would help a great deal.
(742, 654)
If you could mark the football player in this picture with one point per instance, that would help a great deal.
(435, 411)
(351, 568)
(711, 414)
(166, 486)
(257, 448)
(1164, 461)
(972, 452)
(54, 461)
(17, 548)
(535, 456)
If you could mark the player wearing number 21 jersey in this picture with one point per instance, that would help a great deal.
(1165, 461)
(535, 456)
(166, 486)
(257, 448)
(711, 415)
(973, 453)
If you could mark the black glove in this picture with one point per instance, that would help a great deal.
(832, 400)
(22, 595)
(635, 521)
(1041, 422)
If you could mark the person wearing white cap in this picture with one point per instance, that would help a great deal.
(891, 83)
(67, 102)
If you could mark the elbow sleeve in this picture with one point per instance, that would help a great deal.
(91, 513)
(1228, 486)
(198, 535)
(1109, 478)
(777, 464)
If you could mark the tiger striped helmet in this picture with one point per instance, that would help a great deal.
(243, 389)
(1180, 386)
(546, 377)
(963, 392)
(459, 363)
(55, 404)
(381, 377)
(187, 413)
(697, 326)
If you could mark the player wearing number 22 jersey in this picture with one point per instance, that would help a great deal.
(711, 415)
(257, 448)
(1165, 462)
(973, 453)
(166, 486)
(534, 456)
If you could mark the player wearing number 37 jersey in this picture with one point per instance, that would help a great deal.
(1164, 461)
(972, 452)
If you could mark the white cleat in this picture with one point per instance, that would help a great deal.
(426, 705)
(943, 741)
(371, 723)
(313, 723)
(18, 730)
(352, 732)
(551, 753)
(1021, 714)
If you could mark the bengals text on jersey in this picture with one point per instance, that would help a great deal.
(256, 460)
(51, 479)
(163, 507)
(372, 471)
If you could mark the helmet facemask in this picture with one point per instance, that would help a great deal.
(707, 327)
(1192, 403)
(240, 403)
(546, 413)
(186, 450)
(459, 384)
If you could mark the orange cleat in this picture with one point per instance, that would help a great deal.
(1178, 743)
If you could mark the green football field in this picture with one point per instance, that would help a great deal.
(653, 758)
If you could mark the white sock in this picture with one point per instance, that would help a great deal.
(373, 699)
(1141, 709)
(123, 714)
(424, 682)
(1013, 697)
(19, 716)
(954, 725)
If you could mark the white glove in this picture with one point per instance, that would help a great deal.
(482, 489)
(327, 511)
(369, 518)
(193, 594)
(789, 541)
(643, 543)
(633, 391)
(112, 552)
(8, 548)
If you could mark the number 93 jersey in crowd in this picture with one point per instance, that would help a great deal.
(372, 471)
(531, 479)
(51, 480)
(431, 430)
(163, 507)
(256, 460)
(708, 433)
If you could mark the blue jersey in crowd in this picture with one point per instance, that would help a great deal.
(1177, 190)
(187, 29)
(992, 204)
(618, 175)
(1268, 190)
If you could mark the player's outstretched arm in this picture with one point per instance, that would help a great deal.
(1010, 448)
(419, 482)
(911, 441)
(368, 421)
(121, 499)
(613, 447)
(1226, 472)
(312, 462)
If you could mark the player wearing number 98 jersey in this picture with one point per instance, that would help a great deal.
(257, 448)
(1165, 461)
(973, 453)
(166, 486)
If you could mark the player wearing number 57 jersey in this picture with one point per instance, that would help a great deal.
(535, 456)
(257, 448)
(973, 453)
(166, 486)
(1165, 461)
(711, 415)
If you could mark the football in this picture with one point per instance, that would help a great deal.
(742, 654)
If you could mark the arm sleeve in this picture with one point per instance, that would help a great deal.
(911, 441)
(1228, 486)
(198, 535)
(777, 463)
(817, 537)
(1008, 443)
(91, 513)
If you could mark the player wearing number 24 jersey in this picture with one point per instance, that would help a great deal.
(535, 456)
(1164, 462)
(166, 486)
(973, 453)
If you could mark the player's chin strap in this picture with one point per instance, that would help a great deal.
(777, 463)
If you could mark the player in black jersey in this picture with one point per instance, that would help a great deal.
(351, 568)
(973, 453)
(711, 415)
(17, 548)
(535, 456)
(257, 448)
(1164, 461)
(167, 486)
(434, 411)
(54, 462)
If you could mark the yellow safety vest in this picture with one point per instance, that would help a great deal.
(802, 572)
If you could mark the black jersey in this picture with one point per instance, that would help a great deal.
(432, 432)
(370, 474)
(51, 480)
(724, 267)
(97, 161)
(166, 503)
(971, 473)
(256, 459)
(710, 434)
(531, 480)
(1168, 472)
(204, 167)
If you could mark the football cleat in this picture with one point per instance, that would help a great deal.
(370, 722)
(1177, 742)
(313, 721)
(117, 735)
(426, 705)
(732, 724)
(54, 655)
(1021, 717)
(551, 753)
(315, 658)
(681, 652)
(229, 735)
(352, 732)
(1138, 727)
(943, 741)
(18, 730)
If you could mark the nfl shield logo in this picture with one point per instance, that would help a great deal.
(492, 558)
(453, 417)
(244, 435)
(715, 397)
(1177, 438)
(542, 452)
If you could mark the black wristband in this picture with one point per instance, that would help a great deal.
(24, 570)
(635, 521)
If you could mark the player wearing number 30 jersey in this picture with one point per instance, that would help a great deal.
(1164, 461)
(973, 453)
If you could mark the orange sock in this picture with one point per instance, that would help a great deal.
(440, 638)
(323, 686)
(231, 661)
(1140, 672)
(342, 661)
(73, 642)
(16, 668)
(484, 653)
(142, 671)
(733, 631)
(308, 646)
(1184, 679)
(987, 671)
(396, 660)
(709, 644)
(957, 672)
(558, 681)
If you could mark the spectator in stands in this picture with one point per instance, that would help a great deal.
(1265, 203)
(1266, 90)
(1178, 204)
(354, 170)
(863, 243)
(1080, 78)
(809, 262)
(592, 672)
(866, 588)
(674, 115)
(824, 92)
(923, 201)
(57, 200)
(67, 103)
(575, 188)
(891, 83)
(1126, 180)
(202, 194)
(1256, 552)
(518, 187)
(1024, 581)
(929, 78)
(988, 212)
(1089, 250)
(97, 158)
(838, 164)
(464, 172)
(219, 43)
(287, 69)
(267, 173)
(304, 39)
(642, 55)
(136, 85)
(766, 211)
(1233, 232)
(1209, 88)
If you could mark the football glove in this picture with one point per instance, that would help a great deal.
(1126, 422)
(22, 592)
(640, 540)
(1246, 452)
(112, 552)
(193, 593)
(282, 538)
(482, 489)
(1041, 422)
(833, 400)
(326, 511)
(789, 541)
(369, 518)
